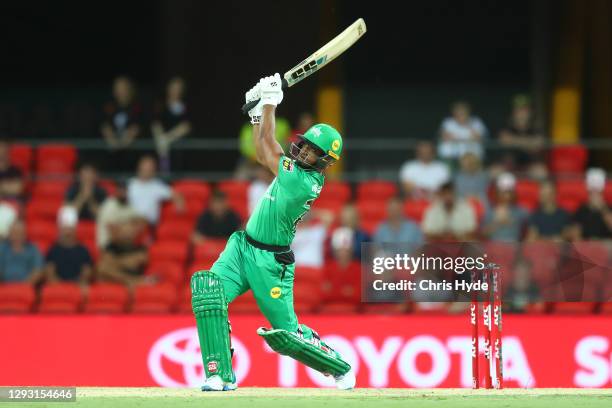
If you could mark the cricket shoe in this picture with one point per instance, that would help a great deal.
(346, 381)
(215, 383)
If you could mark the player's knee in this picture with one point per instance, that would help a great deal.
(207, 292)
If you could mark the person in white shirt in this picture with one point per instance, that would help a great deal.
(258, 187)
(146, 192)
(461, 133)
(309, 243)
(423, 176)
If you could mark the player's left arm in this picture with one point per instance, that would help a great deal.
(268, 150)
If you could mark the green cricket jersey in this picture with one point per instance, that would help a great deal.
(285, 202)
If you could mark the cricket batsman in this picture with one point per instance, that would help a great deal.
(260, 258)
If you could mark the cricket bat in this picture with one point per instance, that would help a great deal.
(320, 58)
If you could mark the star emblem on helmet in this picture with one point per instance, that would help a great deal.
(316, 131)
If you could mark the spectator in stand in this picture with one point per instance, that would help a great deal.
(461, 133)
(523, 290)
(522, 141)
(20, 260)
(114, 211)
(505, 220)
(8, 215)
(11, 178)
(258, 187)
(305, 122)
(146, 192)
(343, 273)
(593, 220)
(67, 259)
(171, 121)
(472, 182)
(86, 194)
(397, 228)
(217, 221)
(423, 176)
(122, 116)
(309, 243)
(449, 217)
(123, 260)
(349, 218)
(548, 222)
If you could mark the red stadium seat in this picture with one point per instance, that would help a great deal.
(109, 185)
(193, 190)
(191, 212)
(384, 308)
(573, 307)
(60, 298)
(527, 194)
(479, 208)
(175, 230)
(244, 303)
(568, 159)
(336, 191)
(606, 308)
(338, 308)
(16, 297)
(234, 189)
(168, 251)
(154, 298)
(21, 157)
(376, 190)
(184, 303)
(415, 209)
(571, 194)
(240, 206)
(86, 231)
(41, 231)
(166, 272)
(200, 265)
(53, 190)
(330, 204)
(55, 159)
(372, 209)
(107, 298)
(43, 209)
(608, 192)
(209, 249)
(544, 258)
(306, 296)
(307, 274)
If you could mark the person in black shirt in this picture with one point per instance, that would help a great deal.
(218, 221)
(121, 124)
(67, 259)
(11, 178)
(593, 219)
(548, 222)
(86, 195)
(171, 121)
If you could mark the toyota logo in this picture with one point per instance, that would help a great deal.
(175, 359)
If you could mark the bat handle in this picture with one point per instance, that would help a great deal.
(250, 105)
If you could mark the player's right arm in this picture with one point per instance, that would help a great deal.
(267, 149)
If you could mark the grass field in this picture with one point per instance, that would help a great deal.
(314, 398)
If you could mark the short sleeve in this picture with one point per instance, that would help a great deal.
(164, 191)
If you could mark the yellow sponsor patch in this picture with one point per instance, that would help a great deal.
(335, 145)
(275, 292)
(287, 165)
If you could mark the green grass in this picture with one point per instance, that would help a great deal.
(315, 398)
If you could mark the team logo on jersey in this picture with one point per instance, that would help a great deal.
(275, 292)
(287, 165)
(335, 145)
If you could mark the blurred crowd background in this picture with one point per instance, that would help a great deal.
(125, 163)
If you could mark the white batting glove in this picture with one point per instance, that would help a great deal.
(271, 90)
(252, 95)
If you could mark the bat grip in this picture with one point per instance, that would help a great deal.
(250, 105)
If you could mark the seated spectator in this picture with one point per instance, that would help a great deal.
(523, 290)
(548, 222)
(67, 259)
(11, 178)
(343, 273)
(121, 124)
(86, 194)
(20, 260)
(505, 220)
(349, 218)
(449, 217)
(258, 187)
(171, 121)
(461, 133)
(397, 228)
(472, 181)
(114, 211)
(423, 176)
(146, 192)
(123, 260)
(309, 243)
(217, 221)
(522, 141)
(593, 220)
